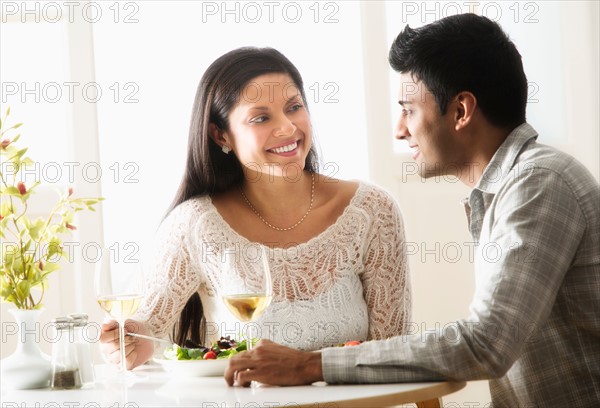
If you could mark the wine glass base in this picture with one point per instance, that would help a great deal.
(122, 377)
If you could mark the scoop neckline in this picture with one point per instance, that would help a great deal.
(326, 231)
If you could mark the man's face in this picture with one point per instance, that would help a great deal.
(428, 133)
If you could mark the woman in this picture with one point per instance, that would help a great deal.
(337, 251)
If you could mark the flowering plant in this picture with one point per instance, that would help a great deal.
(31, 248)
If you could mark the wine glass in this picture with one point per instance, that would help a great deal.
(119, 284)
(246, 287)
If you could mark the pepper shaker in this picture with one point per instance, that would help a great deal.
(65, 368)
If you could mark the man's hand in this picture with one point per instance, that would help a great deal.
(271, 363)
(137, 351)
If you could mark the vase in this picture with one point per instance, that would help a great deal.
(28, 367)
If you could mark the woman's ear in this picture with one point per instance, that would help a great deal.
(465, 105)
(218, 135)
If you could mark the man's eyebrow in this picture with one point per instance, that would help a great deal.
(402, 103)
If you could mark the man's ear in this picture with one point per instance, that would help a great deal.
(465, 104)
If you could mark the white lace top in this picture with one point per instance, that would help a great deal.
(350, 282)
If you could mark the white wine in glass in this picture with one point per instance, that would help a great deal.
(120, 307)
(119, 284)
(247, 288)
(247, 307)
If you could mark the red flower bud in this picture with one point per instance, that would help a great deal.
(1, 217)
(5, 143)
(70, 191)
(22, 188)
(70, 226)
(41, 266)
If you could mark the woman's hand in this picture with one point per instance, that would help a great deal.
(137, 351)
(274, 364)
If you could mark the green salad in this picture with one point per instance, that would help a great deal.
(223, 348)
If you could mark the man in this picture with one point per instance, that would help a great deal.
(534, 326)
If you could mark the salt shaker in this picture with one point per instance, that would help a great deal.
(65, 368)
(83, 349)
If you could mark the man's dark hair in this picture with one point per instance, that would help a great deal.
(466, 52)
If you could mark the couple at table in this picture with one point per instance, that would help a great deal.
(463, 95)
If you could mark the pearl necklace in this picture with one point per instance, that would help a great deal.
(312, 198)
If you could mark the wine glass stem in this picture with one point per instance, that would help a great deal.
(123, 366)
(249, 347)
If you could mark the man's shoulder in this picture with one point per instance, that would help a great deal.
(554, 164)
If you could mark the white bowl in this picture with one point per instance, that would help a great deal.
(194, 368)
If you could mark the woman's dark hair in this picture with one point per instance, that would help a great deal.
(208, 170)
(466, 52)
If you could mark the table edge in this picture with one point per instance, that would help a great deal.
(439, 390)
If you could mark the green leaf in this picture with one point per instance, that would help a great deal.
(195, 354)
(11, 190)
(32, 274)
(50, 267)
(23, 289)
(27, 245)
(11, 298)
(10, 151)
(27, 162)
(7, 112)
(36, 228)
(24, 222)
(182, 354)
(21, 152)
(226, 354)
(17, 265)
(53, 248)
(67, 217)
(7, 292)
(6, 208)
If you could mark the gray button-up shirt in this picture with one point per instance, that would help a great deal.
(534, 324)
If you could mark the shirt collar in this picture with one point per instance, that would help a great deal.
(504, 159)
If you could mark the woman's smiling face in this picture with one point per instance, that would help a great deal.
(269, 128)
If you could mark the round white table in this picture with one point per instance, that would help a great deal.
(161, 390)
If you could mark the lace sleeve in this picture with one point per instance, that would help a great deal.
(385, 278)
(172, 280)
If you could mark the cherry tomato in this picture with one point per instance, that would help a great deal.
(210, 355)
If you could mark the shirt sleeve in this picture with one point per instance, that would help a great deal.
(385, 279)
(536, 224)
(173, 279)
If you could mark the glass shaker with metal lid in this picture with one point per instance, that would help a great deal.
(65, 367)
